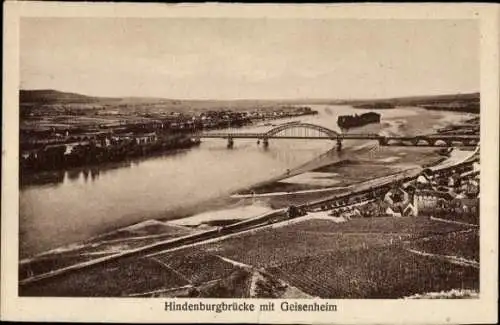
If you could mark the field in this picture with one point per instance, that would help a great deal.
(470, 218)
(287, 246)
(49, 263)
(462, 244)
(375, 273)
(196, 266)
(131, 237)
(112, 279)
(415, 227)
(236, 285)
(362, 258)
(275, 246)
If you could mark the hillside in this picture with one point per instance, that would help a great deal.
(461, 102)
(469, 102)
(49, 96)
(418, 100)
(47, 101)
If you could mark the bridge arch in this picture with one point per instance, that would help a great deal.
(423, 140)
(442, 142)
(305, 126)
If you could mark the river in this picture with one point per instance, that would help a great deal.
(84, 203)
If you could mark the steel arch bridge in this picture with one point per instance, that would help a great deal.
(297, 130)
(301, 130)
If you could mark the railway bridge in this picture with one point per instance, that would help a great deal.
(316, 132)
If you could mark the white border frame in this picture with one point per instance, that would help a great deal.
(482, 310)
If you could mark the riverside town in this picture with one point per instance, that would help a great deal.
(285, 159)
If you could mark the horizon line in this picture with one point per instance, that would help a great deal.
(255, 99)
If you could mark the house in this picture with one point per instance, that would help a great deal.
(351, 213)
(425, 201)
(454, 180)
(403, 210)
(395, 196)
(428, 173)
(146, 138)
(476, 167)
(410, 210)
(393, 212)
(422, 180)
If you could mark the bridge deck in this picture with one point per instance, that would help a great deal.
(340, 136)
(297, 130)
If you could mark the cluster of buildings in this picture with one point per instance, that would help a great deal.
(224, 118)
(152, 133)
(142, 128)
(449, 192)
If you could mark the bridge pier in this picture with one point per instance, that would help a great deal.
(382, 141)
(339, 144)
(230, 143)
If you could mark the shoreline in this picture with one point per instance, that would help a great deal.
(32, 178)
(228, 201)
(205, 235)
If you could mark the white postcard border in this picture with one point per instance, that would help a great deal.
(482, 310)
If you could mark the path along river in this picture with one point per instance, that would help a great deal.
(85, 203)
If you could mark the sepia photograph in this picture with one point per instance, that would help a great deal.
(230, 157)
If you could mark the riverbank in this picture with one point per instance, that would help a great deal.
(334, 173)
(89, 171)
(62, 157)
(155, 235)
(200, 181)
(220, 214)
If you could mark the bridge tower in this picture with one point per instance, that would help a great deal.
(230, 142)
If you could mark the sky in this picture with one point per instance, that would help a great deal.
(219, 58)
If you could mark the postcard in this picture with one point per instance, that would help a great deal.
(250, 163)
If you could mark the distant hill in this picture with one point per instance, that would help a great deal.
(54, 97)
(49, 96)
(418, 100)
(467, 102)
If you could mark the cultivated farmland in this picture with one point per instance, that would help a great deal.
(196, 265)
(375, 273)
(275, 246)
(461, 244)
(113, 279)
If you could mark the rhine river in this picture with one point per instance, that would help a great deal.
(84, 203)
